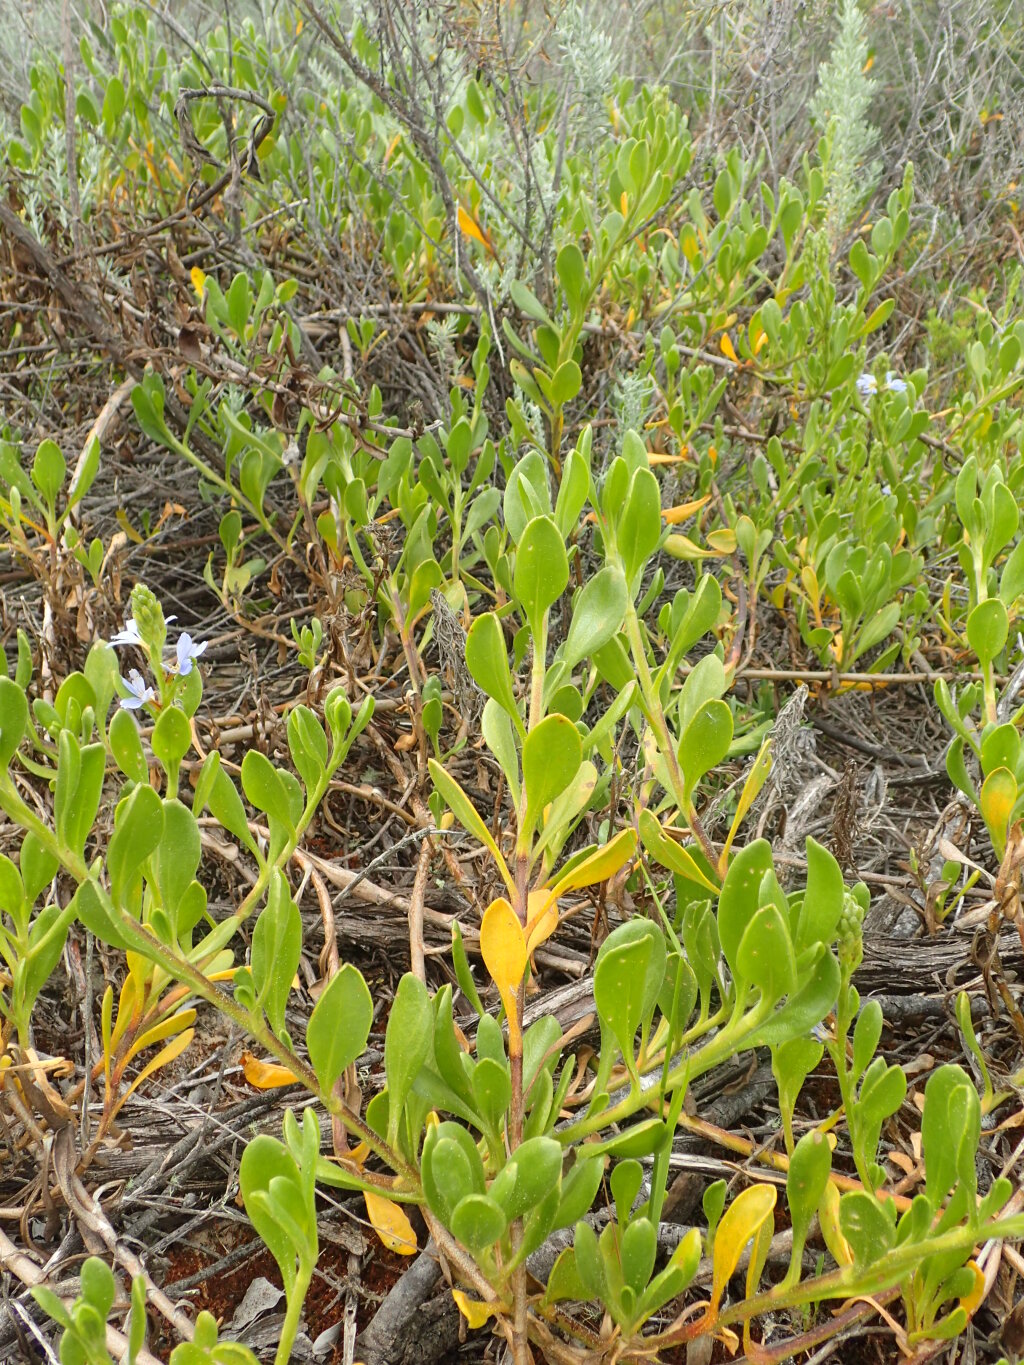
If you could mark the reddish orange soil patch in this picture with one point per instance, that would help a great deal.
(222, 1291)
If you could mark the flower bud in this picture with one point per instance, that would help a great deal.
(149, 617)
(850, 931)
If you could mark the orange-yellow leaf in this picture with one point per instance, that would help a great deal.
(198, 278)
(661, 457)
(727, 348)
(475, 1311)
(969, 1302)
(389, 152)
(740, 1222)
(684, 510)
(503, 948)
(265, 1075)
(390, 1224)
(469, 227)
(624, 204)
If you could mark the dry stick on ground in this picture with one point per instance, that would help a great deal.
(92, 1218)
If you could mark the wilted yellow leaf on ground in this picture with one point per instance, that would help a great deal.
(390, 1224)
(475, 1311)
(265, 1075)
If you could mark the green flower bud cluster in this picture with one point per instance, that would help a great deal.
(149, 617)
(850, 931)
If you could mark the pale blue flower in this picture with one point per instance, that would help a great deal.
(867, 385)
(140, 691)
(129, 634)
(894, 383)
(186, 651)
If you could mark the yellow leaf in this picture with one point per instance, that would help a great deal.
(598, 866)
(661, 457)
(727, 348)
(685, 510)
(740, 1222)
(998, 797)
(474, 1311)
(756, 779)
(542, 919)
(682, 547)
(469, 227)
(127, 1008)
(503, 948)
(688, 241)
(391, 149)
(265, 1075)
(969, 1302)
(390, 1224)
(165, 1029)
(723, 541)
(828, 1219)
(198, 278)
(671, 854)
(868, 65)
(809, 579)
(624, 204)
(165, 1056)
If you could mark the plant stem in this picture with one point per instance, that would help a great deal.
(293, 1315)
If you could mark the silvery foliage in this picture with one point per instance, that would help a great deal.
(840, 109)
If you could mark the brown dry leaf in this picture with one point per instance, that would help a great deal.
(189, 344)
